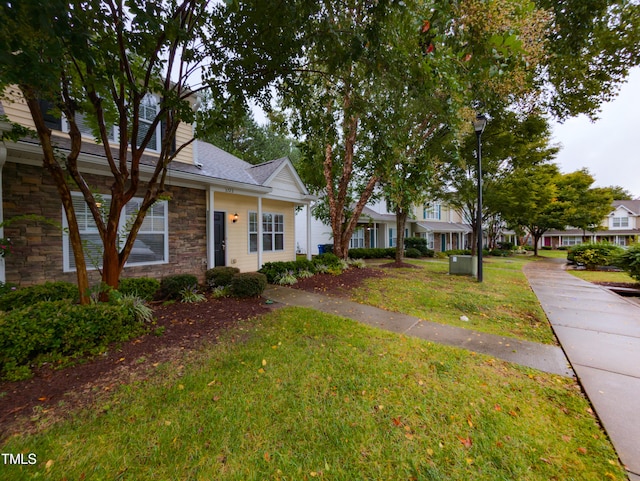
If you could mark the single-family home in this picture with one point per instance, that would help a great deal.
(621, 227)
(221, 210)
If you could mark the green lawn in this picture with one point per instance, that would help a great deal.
(602, 276)
(503, 304)
(301, 395)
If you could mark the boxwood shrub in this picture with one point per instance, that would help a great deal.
(419, 243)
(55, 330)
(248, 284)
(220, 276)
(593, 255)
(142, 287)
(49, 291)
(171, 286)
(629, 261)
(372, 253)
(412, 253)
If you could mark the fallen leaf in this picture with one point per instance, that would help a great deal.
(497, 407)
(264, 362)
(566, 438)
(267, 458)
(261, 371)
(43, 398)
(180, 387)
(466, 442)
(49, 464)
(582, 450)
(397, 421)
(430, 451)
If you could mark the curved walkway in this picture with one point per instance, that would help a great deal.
(543, 357)
(600, 334)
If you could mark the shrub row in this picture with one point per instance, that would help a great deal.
(322, 263)
(53, 330)
(629, 261)
(372, 253)
(49, 291)
(593, 255)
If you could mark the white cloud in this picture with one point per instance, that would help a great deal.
(609, 147)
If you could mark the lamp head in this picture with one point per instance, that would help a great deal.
(235, 217)
(479, 123)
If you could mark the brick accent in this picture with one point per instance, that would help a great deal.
(38, 246)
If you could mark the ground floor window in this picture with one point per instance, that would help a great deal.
(393, 237)
(430, 240)
(150, 247)
(357, 239)
(272, 232)
(570, 240)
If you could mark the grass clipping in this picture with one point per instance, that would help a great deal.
(300, 395)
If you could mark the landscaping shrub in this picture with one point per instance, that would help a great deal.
(506, 246)
(171, 286)
(373, 253)
(629, 261)
(499, 253)
(458, 252)
(419, 243)
(6, 288)
(58, 330)
(142, 287)
(593, 255)
(248, 284)
(275, 270)
(546, 248)
(412, 253)
(220, 276)
(49, 291)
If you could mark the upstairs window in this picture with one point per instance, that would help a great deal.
(620, 222)
(432, 211)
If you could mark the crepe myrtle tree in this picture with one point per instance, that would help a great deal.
(103, 65)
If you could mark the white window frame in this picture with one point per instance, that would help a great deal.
(432, 211)
(571, 240)
(430, 240)
(89, 227)
(393, 237)
(273, 226)
(114, 137)
(621, 222)
(357, 239)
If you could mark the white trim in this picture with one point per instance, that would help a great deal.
(66, 247)
(211, 248)
(260, 243)
(3, 159)
(287, 163)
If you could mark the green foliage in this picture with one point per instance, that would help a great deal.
(6, 288)
(372, 253)
(171, 286)
(248, 284)
(593, 255)
(135, 306)
(220, 276)
(142, 287)
(275, 270)
(286, 279)
(57, 330)
(458, 252)
(412, 253)
(49, 291)
(419, 243)
(190, 295)
(629, 261)
(499, 253)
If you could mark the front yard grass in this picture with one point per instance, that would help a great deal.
(301, 395)
(503, 304)
(602, 276)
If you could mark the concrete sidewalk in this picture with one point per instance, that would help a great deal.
(600, 334)
(544, 357)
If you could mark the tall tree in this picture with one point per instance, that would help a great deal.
(106, 65)
(510, 143)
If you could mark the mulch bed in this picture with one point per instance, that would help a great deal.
(186, 327)
(57, 392)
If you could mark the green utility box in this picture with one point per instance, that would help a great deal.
(463, 265)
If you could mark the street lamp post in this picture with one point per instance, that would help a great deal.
(479, 124)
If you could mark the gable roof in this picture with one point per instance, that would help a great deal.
(633, 206)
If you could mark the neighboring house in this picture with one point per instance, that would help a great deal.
(440, 225)
(621, 227)
(222, 210)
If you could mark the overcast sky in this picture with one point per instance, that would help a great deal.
(610, 147)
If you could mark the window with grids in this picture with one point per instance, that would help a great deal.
(620, 222)
(357, 239)
(148, 111)
(150, 247)
(432, 211)
(272, 232)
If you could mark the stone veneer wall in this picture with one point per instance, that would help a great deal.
(38, 246)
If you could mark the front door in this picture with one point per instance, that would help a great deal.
(443, 242)
(218, 238)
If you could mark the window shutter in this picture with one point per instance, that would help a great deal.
(50, 120)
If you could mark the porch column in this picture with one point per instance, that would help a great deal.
(309, 231)
(3, 159)
(210, 230)
(259, 233)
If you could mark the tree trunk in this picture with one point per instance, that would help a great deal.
(401, 220)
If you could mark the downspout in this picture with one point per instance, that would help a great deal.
(211, 248)
(260, 245)
(309, 231)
